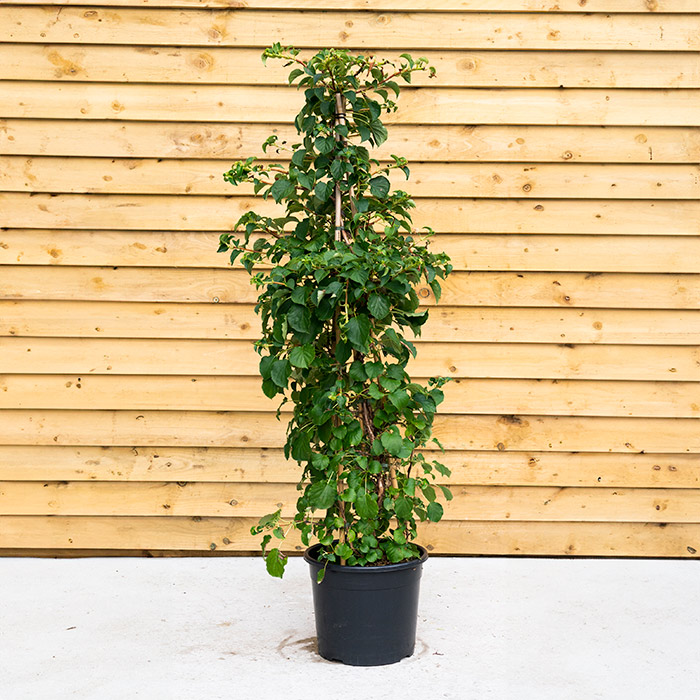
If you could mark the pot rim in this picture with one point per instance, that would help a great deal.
(309, 556)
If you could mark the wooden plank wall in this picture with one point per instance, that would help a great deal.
(556, 154)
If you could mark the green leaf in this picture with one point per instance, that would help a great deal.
(269, 388)
(266, 366)
(434, 512)
(400, 399)
(359, 276)
(375, 392)
(399, 537)
(302, 356)
(428, 492)
(298, 295)
(373, 369)
(410, 487)
(389, 384)
(275, 562)
(323, 191)
(366, 507)
(445, 492)
(357, 330)
(395, 553)
(379, 186)
(270, 519)
(337, 169)
(321, 575)
(442, 469)
(325, 144)
(320, 461)
(322, 495)
(298, 157)
(378, 305)
(392, 441)
(281, 188)
(379, 132)
(305, 180)
(343, 550)
(355, 433)
(403, 508)
(299, 318)
(280, 373)
(343, 351)
(357, 371)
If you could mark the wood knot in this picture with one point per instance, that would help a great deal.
(203, 61)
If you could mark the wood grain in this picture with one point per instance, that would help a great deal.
(236, 66)
(446, 324)
(236, 429)
(495, 143)
(474, 252)
(223, 358)
(417, 106)
(233, 534)
(313, 29)
(557, 397)
(507, 180)
(232, 286)
(493, 503)
(607, 6)
(449, 215)
(251, 465)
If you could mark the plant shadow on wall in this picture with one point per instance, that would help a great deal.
(336, 274)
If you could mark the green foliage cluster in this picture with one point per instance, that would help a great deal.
(336, 274)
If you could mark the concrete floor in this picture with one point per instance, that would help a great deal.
(211, 628)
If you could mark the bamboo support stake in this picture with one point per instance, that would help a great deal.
(340, 235)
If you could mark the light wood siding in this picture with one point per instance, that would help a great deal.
(557, 156)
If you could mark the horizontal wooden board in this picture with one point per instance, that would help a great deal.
(235, 429)
(250, 465)
(535, 253)
(493, 503)
(568, 144)
(465, 106)
(93, 356)
(560, 397)
(230, 66)
(210, 213)
(205, 177)
(312, 29)
(453, 537)
(531, 289)
(446, 324)
(607, 6)
(599, 253)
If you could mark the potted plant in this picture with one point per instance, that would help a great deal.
(336, 273)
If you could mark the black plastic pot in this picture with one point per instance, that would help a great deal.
(366, 616)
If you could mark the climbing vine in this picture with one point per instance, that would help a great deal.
(336, 273)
